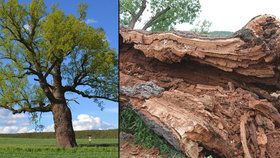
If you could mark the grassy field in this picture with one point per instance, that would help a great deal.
(46, 148)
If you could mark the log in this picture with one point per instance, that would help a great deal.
(202, 93)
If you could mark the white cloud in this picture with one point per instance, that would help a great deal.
(7, 115)
(31, 131)
(50, 128)
(90, 21)
(17, 116)
(9, 129)
(23, 130)
(86, 122)
(15, 129)
(11, 123)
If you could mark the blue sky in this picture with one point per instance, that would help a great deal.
(86, 114)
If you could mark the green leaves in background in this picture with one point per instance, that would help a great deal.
(165, 13)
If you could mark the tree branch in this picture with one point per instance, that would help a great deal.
(31, 70)
(80, 76)
(76, 82)
(38, 67)
(53, 65)
(28, 109)
(89, 96)
(50, 69)
(153, 19)
(22, 75)
(136, 16)
(40, 108)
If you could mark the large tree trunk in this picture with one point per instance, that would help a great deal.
(201, 93)
(64, 132)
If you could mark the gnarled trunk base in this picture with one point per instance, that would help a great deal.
(64, 132)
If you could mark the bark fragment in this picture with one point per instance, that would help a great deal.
(243, 122)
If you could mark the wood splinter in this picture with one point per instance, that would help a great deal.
(243, 122)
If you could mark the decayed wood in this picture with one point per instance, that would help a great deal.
(243, 121)
(196, 91)
(252, 51)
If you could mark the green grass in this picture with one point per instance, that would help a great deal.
(46, 148)
(131, 122)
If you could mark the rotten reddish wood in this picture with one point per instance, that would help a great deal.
(195, 91)
(243, 122)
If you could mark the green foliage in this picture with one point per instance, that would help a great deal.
(44, 46)
(128, 7)
(82, 10)
(181, 11)
(202, 27)
(46, 148)
(131, 122)
(165, 13)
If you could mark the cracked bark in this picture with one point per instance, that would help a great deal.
(64, 132)
(206, 86)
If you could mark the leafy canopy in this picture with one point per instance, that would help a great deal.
(43, 54)
(202, 27)
(165, 13)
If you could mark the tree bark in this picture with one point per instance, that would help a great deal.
(196, 91)
(64, 132)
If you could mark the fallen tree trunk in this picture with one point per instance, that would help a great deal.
(217, 94)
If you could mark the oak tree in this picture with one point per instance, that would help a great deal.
(45, 55)
(165, 13)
